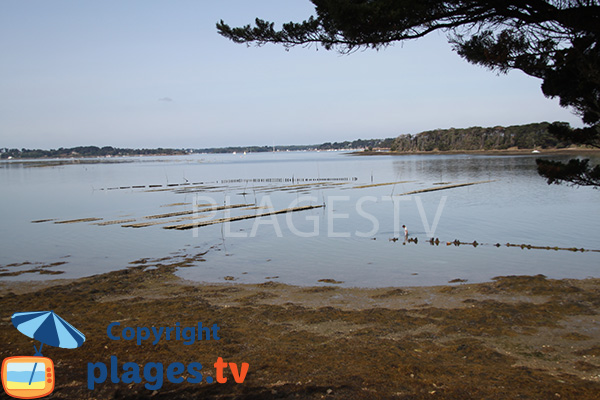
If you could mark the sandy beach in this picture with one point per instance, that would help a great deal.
(524, 337)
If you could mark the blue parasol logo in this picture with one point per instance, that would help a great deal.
(48, 328)
(33, 377)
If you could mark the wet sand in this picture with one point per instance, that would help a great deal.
(524, 337)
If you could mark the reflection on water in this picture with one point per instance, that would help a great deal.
(351, 239)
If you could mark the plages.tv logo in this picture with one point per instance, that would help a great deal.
(25, 377)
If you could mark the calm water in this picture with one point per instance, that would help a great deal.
(348, 240)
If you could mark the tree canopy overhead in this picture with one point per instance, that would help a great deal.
(553, 40)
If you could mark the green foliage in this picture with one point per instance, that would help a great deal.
(575, 172)
(84, 151)
(357, 144)
(477, 138)
(93, 151)
(588, 136)
(345, 145)
(571, 73)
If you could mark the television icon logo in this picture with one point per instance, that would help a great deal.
(28, 377)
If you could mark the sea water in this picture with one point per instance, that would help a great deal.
(356, 238)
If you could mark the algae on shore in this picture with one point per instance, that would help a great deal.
(515, 337)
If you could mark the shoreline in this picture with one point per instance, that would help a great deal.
(443, 295)
(516, 336)
(507, 152)
(51, 161)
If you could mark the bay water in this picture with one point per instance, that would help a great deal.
(356, 237)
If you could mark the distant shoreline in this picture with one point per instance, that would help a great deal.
(507, 152)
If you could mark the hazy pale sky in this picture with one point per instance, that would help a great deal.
(147, 73)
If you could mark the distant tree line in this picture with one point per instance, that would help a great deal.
(358, 144)
(476, 138)
(241, 149)
(84, 151)
(94, 151)
(528, 136)
(346, 145)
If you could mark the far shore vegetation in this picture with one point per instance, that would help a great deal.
(529, 136)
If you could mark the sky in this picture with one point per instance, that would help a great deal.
(148, 73)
